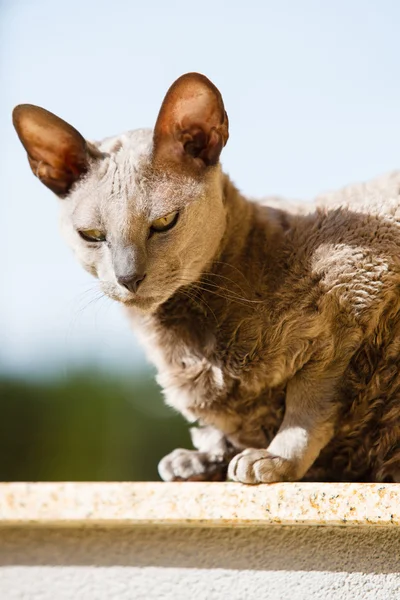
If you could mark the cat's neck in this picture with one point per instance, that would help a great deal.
(254, 235)
(239, 219)
(235, 286)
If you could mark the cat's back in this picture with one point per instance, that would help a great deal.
(348, 244)
(378, 196)
(361, 220)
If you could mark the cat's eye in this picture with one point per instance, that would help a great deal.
(92, 235)
(165, 223)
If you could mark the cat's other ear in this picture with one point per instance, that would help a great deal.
(57, 153)
(192, 125)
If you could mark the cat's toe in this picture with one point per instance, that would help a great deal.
(259, 466)
(190, 465)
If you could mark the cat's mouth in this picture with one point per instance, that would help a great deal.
(142, 302)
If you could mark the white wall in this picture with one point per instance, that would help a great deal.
(269, 563)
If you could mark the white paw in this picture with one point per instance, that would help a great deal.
(260, 466)
(191, 465)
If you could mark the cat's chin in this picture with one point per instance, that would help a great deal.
(143, 304)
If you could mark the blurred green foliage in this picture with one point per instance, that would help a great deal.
(87, 427)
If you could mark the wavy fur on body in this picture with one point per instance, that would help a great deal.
(275, 328)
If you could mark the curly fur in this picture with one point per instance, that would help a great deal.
(275, 327)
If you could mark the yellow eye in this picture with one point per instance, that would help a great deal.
(165, 223)
(92, 235)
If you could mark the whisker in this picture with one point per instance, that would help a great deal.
(237, 299)
(225, 264)
(232, 294)
(206, 274)
(198, 300)
(77, 311)
(221, 292)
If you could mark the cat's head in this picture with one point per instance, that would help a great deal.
(143, 211)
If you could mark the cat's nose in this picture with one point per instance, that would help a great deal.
(132, 282)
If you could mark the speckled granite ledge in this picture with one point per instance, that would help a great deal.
(198, 504)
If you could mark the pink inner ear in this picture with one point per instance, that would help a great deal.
(192, 126)
(197, 145)
(57, 152)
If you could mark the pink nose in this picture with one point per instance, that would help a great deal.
(131, 282)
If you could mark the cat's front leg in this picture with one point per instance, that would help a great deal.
(308, 425)
(209, 462)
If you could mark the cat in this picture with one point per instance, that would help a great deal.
(275, 329)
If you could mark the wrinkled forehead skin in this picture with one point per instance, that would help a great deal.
(124, 190)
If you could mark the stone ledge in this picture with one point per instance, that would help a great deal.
(199, 504)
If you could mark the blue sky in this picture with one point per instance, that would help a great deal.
(312, 90)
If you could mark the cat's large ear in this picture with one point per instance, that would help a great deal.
(192, 125)
(57, 153)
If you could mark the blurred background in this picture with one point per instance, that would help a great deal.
(312, 90)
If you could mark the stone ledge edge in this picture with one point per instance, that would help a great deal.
(198, 504)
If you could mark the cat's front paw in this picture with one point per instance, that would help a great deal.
(260, 466)
(191, 465)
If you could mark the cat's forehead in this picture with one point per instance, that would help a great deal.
(124, 182)
(136, 144)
